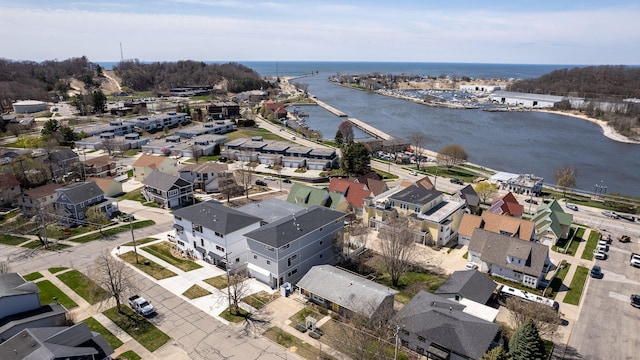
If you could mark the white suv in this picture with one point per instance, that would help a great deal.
(600, 255)
(470, 266)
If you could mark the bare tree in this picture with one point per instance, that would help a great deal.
(452, 155)
(546, 318)
(196, 152)
(245, 173)
(397, 246)
(114, 276)
(109, 145)
(96, 218)
(346, 130)
(417, 142)
(238, 289)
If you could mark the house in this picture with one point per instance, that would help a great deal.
(506, 205)
(471, 198)
(373, 182)
(62, 162)
(433, 217)
(276, 107)
(208, 177)
(213, 232)
(146, 164)
(167, 190)
(284, 250)
(551, 223)
(347, 293)
(74, 200)
(74, 342)
(9, 189)
(42, 197)
(100, 167)
(527, 184)
(109, 186)
(467, 284)
(440, 329)
(508, 257)
(309, 196)
(20, 307)
(353, 192)
(223, 110)
(500, 224)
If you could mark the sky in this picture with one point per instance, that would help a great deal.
(584, 32)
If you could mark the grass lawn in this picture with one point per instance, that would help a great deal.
(83, 286)
(556, 284)
(154, 270)
(295, 345)
(336, 331)
(11, 240)
(218, 282)
(57, 231)
(234, 317)
(259, 300)
(112, 231)
(141, 241)
(592, 242)
(577, 285)
(251, 132)
(33, 276)
(52, 246)
(48, 291)
(138, 327)
(163, 251)
(465, 175)
(411, 282)
(94, 325)
(136, 195)
(576, 238)
(195, 292)
(54, 270)
(301, 316)
(128, 355)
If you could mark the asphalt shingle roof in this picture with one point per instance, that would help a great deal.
(470, 284)
(217, 217)
(81, 191)
(162, 181)
(292, 227)
(442, 321)
(13, 284)
(417, 195)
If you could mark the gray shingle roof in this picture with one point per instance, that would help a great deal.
(415, 195)
(470, 195)
(217, 217)
(163, 181)
(63, 154)
(13, 284)
(271, 210)
(81, 191)
(495, 248)
(349, 290)
(292, 227)
(443, 322)
(470, 284)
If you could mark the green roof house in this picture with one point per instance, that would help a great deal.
(308, 196)
(551, 223)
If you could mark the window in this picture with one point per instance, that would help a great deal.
(268, 262)
(270, 248)
(291, 259)
(219, 234)
(285, 247)
(197, 227)
(173, 192)
(202, 242)
(219, 248)
(320, 242)
(255, 257)
(237, 260)
(292, 272)
(180, 243)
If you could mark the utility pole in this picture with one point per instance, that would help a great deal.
(44, 228)
(135, 250)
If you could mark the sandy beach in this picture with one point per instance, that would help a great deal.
(607, 130)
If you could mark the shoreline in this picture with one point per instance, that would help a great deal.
(607, 130)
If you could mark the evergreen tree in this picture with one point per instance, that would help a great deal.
(526, 344)
(338, 138)
(497, 353)
(99, 101)
(355, 159)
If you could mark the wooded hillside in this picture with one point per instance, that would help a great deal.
(162, 76)
(593, 82)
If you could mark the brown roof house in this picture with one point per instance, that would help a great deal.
(505, 256)
(9, 189)
(500, 224)
(146, 164)
(101, 166)
(111, 187)
(32, 200)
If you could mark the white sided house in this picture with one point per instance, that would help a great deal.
(213, 232)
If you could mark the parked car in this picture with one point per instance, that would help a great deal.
(261, 183)
(470, 266)
(413, 173)
(456, 181)
(269, 178)
(602, 247)
(531, 201)
(624, 238)
(635, 300)
(596, 272)
(610, 214)
(222, 159)
(635, 260)
(141, 305)
(600, 255)
(286, 181)
(627, 217)
(572, 207)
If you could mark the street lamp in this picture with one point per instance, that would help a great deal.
(135, 249)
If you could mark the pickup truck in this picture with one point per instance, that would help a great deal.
(624, 238)
(634, 260)
(141, 305)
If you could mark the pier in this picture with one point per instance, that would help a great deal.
(369, 129)
(329, 108)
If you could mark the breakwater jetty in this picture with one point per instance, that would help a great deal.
(355, 122)
(329, 108)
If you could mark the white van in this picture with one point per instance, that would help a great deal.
(602, 248)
